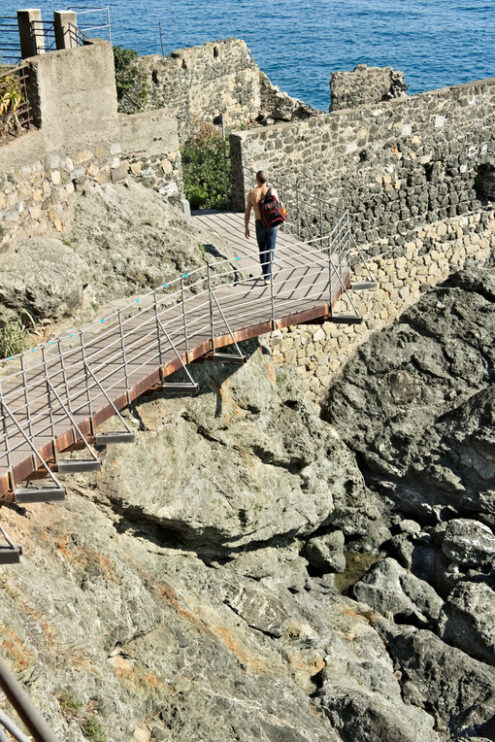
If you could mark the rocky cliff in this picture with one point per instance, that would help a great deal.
(249, 571)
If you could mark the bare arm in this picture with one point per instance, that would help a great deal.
(247, 214)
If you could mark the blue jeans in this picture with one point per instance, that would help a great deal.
(266, 238)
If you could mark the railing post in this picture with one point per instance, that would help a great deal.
(184, 318)
(210, 301)
(65, 22)
(86, 375)
(272, 297)
(49, 395)
(158, 334)
(321, 218)
(31, 43)
(7, 446)
(26, 396)
(64, 374)
(298, 216)
(330, 276)
(124, 357)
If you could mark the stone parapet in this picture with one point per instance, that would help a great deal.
(393, 166)
(365, 85)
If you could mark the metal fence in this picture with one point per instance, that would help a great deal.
(30, 716)
(43, 34)
(93, 21)
(10, 46)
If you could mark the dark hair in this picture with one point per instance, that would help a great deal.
(261, 177)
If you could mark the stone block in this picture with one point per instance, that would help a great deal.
(52, 162)
(118, 174)
(83, 156)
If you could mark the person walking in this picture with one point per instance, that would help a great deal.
(265, 236)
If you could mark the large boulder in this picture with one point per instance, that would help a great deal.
(417, 402)
(458, 690)
(245, 462)
(42, 276)
(392, 590)
(132, 241)
(467, 619)
(469, 543)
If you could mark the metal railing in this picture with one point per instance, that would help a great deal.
(31, 717)
(43, 34)
(10, 45)
(70, 380)
(16, 114)
(93, 27)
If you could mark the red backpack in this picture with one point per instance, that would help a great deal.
(271, 212)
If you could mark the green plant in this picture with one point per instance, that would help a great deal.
(129, 80)
(11, 99)
(15, 335)
(94, 731)
(203, 166)
(69, 705)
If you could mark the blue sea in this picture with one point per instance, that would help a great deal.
(298, 43)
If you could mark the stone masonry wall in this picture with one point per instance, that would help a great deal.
(393, 165)
(41, 171)
(320, 351)
(365, 85)
(202, 82)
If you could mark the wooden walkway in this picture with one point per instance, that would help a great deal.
(55, 396)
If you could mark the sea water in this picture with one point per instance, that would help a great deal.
(298, 43)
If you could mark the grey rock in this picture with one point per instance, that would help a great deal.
(469, 543)
(362, 697)
(125, 236)
(326, 553)
(458, 690)
(468, 621)
(251, 453)
(417, 402)
(390, 589)
(409, 526)
(42, 276)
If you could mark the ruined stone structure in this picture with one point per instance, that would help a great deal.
(203, 82)
(365, 85)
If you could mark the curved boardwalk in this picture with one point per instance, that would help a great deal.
(55, 396)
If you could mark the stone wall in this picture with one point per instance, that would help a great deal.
(73, 97)
(320, 351)
(202, 82)
(364, 84)
(81, 137)
(150, 146)
(393, 166)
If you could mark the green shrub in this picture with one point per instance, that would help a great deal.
(204, 169)
(94, 731)
(11, 98)
(130, 80)
(15, 335)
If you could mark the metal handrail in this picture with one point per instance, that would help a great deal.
(166, 320)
